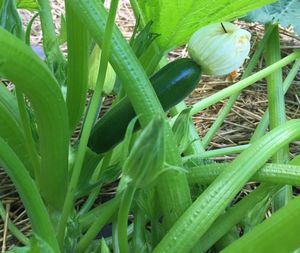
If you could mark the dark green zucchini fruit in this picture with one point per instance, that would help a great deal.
(172, 84)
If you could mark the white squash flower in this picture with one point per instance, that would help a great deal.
(219, 48)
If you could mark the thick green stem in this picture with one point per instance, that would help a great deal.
(138, 240)
(276, 106)
(268, 236)
(236, 213)
(49, 36)
(88, 124)
(270, 173)
(174, 192)
(115, 243)
(184, 234)
(233, 216)
(55, 58)
(275, 91)
(77, 79)
(263, 124)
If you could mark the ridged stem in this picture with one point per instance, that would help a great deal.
(88, 124)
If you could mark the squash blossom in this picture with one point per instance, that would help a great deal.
(146, 158)
(219, 48)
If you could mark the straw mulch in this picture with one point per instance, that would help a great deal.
(236, 130)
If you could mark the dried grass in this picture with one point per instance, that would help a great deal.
(236, 130)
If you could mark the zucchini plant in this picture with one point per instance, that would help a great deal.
(146, 143)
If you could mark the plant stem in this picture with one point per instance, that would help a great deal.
(263, 124)
(206, 102)
(94, 194)
(50, 41)
(197, 219)
(31, 198)
(233, 216)
(124, 209)
(173, 187)
(267, 236)
(87, 221)
(270, 173)
(217, 152)
(97, 218)
(275, 91)
(28, 28)
(49, 36)
(90, 200)
(276, 106)
(138, 240)
(115, 241)
(88, 123)
(77, 78)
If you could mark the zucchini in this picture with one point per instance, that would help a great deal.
(172, 84)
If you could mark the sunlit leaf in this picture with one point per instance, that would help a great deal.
(176, 21)
(30, 5)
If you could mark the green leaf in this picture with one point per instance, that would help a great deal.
(286, 12)
(188, 16)
(30, 5)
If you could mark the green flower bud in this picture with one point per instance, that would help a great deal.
(146, 157)
(219, 48)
